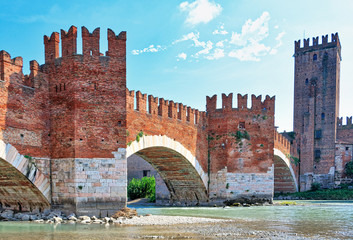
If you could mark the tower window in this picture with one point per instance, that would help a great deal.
(317, 153)
(241, 125)
(322, 116)
(318, 134)
(306, 82)
(315, 57)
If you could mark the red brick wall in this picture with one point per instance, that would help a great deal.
(170, 119)
(253, 155)
(24, 115)
(316, 101)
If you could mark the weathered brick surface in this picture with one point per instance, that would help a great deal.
(316, 104)
(75, 111)
(241, 142)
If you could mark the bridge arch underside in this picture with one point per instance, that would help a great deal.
(17, 192)
(180, 176)
(284, 181)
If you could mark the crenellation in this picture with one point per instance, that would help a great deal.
(316, 45)
(163, 108)
(90, 42)
(256, 103)
(242, 101)
(182, 112)
(152, 105)
(51, 47)
(315, 41)
(190, 115)
(116, 44)
(227, 102)
(211, 103)
(173, 110)
(69, 42)
(141, 102)
(130, 99)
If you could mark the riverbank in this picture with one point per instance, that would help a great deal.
(322, 194)
(284, 220)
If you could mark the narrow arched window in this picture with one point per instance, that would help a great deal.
(315, 57)
(322, 116)
(306, 82)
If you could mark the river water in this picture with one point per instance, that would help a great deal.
(312, 219)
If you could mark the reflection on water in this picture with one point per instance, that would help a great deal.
(327, 218)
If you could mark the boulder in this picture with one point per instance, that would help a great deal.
(7, 214)
(25, 217)
(58, 219)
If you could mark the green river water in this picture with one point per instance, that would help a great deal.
(326, 219)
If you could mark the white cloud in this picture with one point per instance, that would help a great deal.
(151, 49)
(200, 11)
(218, 53)
(250, 52)
(252, 31)
(220, 31)
(193, 37)
(207, 48)
(279, 43)
(181, 56)
(221, 43)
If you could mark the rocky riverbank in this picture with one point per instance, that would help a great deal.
(125, 217)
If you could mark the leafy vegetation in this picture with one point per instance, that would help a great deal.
(321, 194)
(142, 188)
(349, 169)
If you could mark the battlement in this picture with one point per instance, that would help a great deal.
(6, 57)
(284, 145)
(348, 125)
(90, 44)
(163, 108)
(335, 42)
(227, 103)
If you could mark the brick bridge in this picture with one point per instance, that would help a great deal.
(68, 128)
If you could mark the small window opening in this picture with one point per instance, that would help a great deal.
(64, 86)
(90, 52)
(146, 173)
(315, 57)
(317, 153)
(322, 116)
(21, 135)
(318, 134)
(241, 125)
(56, 88)
(119, 123)
(60, 87)
(306, 82)
(347, 148)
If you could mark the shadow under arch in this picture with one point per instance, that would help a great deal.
(22, 185)
(284, 176)
(179, 169)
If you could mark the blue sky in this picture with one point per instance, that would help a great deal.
(186, 50)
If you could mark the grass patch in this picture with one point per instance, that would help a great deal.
(322, 194)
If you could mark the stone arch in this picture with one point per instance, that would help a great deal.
(22, 185)
(180, 170)
(284, 176)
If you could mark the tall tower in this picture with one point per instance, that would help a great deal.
(316, 108)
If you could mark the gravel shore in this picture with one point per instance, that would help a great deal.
(170, 220)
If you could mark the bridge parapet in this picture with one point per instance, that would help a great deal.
(160, 107)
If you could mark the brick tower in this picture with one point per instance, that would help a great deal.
(316, 108)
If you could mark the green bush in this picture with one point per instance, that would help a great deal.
(142, 188)
(349, 169)
(315, 186)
